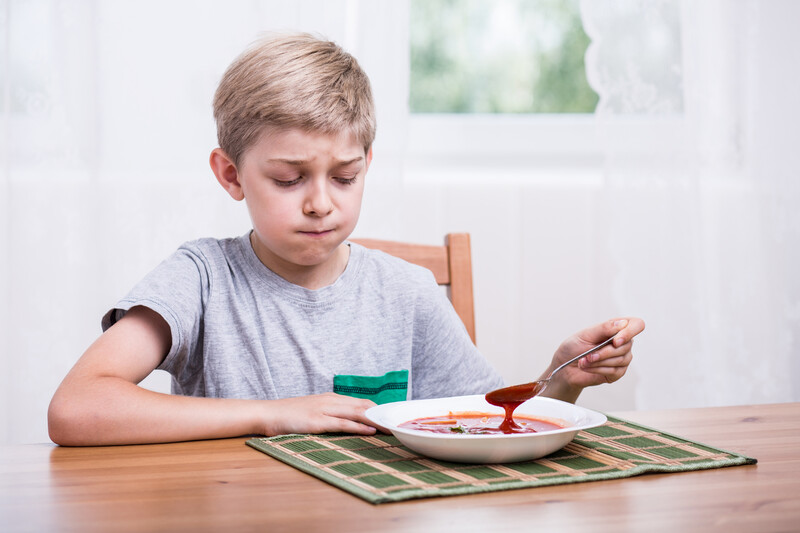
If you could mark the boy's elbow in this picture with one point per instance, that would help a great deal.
(63, 422)
(57, 425)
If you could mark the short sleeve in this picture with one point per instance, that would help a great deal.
(176, 289)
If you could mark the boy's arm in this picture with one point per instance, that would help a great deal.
(100, 403)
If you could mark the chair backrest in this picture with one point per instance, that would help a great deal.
(451, 265)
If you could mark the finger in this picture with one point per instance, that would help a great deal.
(602, 331)
(350, 413)
(626, 329)
(609, 361)
(607, 352)
(609, 373)
(347, 406)
(344, 425)
(328, 423)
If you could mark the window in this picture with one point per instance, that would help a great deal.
(500, 87)
(506, 56)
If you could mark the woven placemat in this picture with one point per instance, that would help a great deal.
(379, 469)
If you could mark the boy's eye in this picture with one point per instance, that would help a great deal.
(345, 181)
(287, 183)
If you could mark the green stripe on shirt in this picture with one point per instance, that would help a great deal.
(390, 387)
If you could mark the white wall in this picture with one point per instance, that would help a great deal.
(106, 175)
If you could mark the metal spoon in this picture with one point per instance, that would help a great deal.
(516, 394)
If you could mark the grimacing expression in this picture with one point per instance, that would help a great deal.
(303, 191)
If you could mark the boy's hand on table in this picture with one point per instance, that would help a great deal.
(320, 413)
(606, 365)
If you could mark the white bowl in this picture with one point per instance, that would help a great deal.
(492, 448)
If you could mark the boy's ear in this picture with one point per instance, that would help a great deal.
(226, 173)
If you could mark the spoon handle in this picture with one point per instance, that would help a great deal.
(584, 354)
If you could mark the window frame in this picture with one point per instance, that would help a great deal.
(567, 149)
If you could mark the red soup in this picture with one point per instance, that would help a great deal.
(477, 423)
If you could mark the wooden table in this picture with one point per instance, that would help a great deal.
(225, 485)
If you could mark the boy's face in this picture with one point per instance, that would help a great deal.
(303, 191)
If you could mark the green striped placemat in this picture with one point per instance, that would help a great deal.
(379, 469)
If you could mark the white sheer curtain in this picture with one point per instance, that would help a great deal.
(705, 232)
(105, 131)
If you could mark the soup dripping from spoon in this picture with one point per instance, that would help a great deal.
(509, 398)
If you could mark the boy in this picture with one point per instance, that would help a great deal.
(257, 331)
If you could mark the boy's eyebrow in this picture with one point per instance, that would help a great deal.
(298, 162)
(350, 162)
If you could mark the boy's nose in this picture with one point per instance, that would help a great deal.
(318, 202)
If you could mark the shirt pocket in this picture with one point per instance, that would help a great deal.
(390, 387)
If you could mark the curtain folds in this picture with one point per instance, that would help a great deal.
(705, 244)
(106, 127)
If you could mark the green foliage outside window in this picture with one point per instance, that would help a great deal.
(498, 56)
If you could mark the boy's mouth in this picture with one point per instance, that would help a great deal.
(317, 233)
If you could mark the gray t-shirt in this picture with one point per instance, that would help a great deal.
(241, 331)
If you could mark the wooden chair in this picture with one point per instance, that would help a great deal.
(451, 265)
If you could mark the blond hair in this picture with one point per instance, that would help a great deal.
(292, 81)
